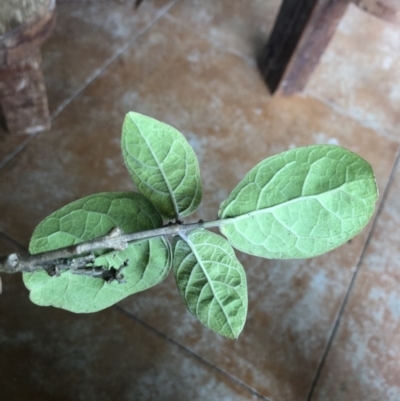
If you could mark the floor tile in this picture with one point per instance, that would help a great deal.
(364, 360)
(222, 106)
(240, 26)
(293, 304)
(87, 164)
(359, 73)
(50, 354)
(86, 36)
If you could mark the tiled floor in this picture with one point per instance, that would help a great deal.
(318, 330)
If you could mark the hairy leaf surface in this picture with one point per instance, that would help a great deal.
(162, 164)
(300, 203)
(211, 281)
(92, 217)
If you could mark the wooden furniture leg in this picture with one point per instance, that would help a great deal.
(302, 31)
(23, 97)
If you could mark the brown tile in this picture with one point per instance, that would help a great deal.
(222, 106)
(50, 354)
(292, 304)
(240, 26)
(359, 73)
(87, 164)
(364, 361)
(87, 35)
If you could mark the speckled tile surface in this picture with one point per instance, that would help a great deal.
(238, 26)
(359, 73)
(293, 304)
(364, 360)
(49, 354)
(87, 36)
(193, 69)
(167, 87)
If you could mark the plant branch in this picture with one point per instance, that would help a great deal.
(103, 273)
(75, 257)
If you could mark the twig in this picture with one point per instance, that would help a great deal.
(108, 275)
(16, 262)
(76, 255)
(55, 267)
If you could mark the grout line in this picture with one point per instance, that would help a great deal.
(98, 71)
(12, 241)
(17, 150)
(92, 77)
(193, 354)
(352, 282)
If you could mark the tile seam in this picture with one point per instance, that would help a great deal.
(193, 354)
(103, 68)
(16, 151)
(353, 280)
(165, 337)
(11, 240)
(92, 77)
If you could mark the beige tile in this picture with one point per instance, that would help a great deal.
(221, 105)
(359, 73)
(240, 26)
(364, 361)
(50, 354)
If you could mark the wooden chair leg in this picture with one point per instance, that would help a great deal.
(23, 96)
(302, 31)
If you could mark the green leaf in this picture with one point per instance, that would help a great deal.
(88, 218)
(300, 203)
(162, 164)
(211, 281)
